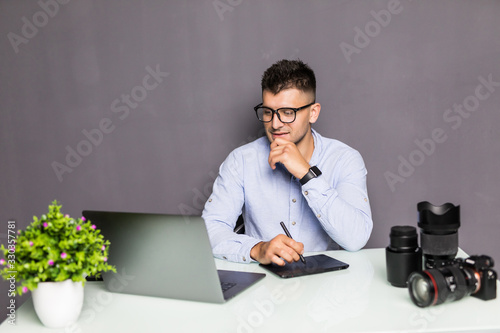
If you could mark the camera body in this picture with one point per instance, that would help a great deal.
(486, 277)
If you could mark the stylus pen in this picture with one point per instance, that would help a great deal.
(290, 236)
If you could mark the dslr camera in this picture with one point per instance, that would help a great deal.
(462, 277)
(445, 277)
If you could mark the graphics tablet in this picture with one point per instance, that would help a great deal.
(315, 264)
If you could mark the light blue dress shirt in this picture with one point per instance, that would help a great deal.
(326, 212)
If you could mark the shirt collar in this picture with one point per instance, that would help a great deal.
(317, 148)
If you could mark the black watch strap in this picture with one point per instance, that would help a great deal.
(313, 173)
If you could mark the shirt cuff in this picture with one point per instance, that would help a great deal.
(317, 192)
(243, 254)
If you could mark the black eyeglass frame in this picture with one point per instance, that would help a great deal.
(277, 112)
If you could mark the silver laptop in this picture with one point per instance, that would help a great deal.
(165, 256)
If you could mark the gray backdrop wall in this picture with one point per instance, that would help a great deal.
(133, 105)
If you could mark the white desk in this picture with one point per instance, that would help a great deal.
(358, 299)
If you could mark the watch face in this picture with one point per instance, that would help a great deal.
(315, 171)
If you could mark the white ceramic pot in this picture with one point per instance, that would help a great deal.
(58, 304)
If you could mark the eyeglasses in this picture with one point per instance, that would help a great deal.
(285, 115)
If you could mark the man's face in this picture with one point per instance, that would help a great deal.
(293, 98)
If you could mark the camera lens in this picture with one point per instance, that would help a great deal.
(403, 256)
(439, 233)
(436, 286)
(422, 290)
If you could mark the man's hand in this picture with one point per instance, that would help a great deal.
(287, 153)
(279, 248)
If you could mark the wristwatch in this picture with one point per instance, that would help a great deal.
(313, 173)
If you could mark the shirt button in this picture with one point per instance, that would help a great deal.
(293, 223)
(294, 200)
(224, 257)
(318, 216)
(244, 259)
(210, 200)
(306, 193)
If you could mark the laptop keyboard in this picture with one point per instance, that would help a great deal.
(227, 285)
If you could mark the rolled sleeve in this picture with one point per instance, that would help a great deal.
(342, 207)
(222, 210)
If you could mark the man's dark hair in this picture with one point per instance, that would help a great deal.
(287, 74)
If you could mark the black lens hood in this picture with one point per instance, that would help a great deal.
(444, 218)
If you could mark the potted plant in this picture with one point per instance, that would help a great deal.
(52, 257)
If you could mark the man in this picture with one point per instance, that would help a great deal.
(315, 185)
